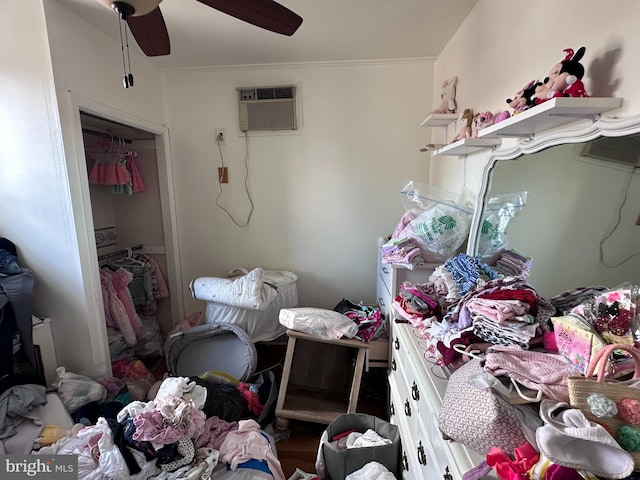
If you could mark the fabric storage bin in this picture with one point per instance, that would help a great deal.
(260, 325)
(341, 462)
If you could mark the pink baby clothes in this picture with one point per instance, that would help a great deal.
(136, 179)
(121, 279)
(109, 174)
(497, 310)
(118, 311)
(546, 372)
(247, 443)
(215, 431)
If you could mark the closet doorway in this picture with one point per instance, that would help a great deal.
(129, 192)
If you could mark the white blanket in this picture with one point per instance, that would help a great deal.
(248, 291)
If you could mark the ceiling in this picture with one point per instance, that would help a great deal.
(332, 30)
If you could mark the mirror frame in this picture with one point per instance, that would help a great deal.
(603, 126)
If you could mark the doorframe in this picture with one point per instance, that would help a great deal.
(84, 216)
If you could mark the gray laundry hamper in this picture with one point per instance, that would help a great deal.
(341, 462)
(220, 347)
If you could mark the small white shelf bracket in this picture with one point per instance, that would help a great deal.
(595, 117)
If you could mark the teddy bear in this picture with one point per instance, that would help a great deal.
(448, 96)
(565, 78)
(481, 120)
(466, 121)
(524, 98)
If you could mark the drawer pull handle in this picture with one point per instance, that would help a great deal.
(422, 458)
(384, 270)
(381, 302)
(407, 408)
(405, 462)
(392, 409)
(396, 344)
(393, 365)
(415, 393)
(447, 475)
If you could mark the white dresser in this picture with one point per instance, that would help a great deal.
(416, 390)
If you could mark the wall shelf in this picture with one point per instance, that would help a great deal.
(439, 119)
(550, 114)
(467, 145)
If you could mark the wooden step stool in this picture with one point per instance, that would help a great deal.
(316, 376)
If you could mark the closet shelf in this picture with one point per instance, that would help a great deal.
(439, 119)
(467, 145)
(550, 114)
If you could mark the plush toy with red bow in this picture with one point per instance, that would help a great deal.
(565, 78)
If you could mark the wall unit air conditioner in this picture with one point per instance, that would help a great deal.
(267, 108)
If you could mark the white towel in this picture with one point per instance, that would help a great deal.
(248, 291)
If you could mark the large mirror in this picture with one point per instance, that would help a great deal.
(581, 221)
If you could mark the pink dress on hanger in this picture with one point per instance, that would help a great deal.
(108, 169)
(136, 178)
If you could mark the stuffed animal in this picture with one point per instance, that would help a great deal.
(565, 78)
(466, 121)
(481, 120)
(542, 93)
(500, 116)
(524, 98)
(448, 96)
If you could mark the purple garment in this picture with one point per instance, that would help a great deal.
(151, 427)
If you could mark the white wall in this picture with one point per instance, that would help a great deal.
(322, 195)
(502, 45)
(35, 208)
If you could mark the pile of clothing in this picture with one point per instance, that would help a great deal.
(172, 436)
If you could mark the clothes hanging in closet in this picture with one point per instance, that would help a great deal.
(115, 166)
(131, 287)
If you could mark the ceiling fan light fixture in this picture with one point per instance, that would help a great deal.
(138, 7)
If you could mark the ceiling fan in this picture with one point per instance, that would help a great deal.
(146, 23)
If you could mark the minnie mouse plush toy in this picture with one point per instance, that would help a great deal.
(524, 99)
(565, 78)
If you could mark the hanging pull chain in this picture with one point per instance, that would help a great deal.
(127, 76)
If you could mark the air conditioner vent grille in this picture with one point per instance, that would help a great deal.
(273, 93)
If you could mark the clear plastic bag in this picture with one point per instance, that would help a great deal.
(77, 390)
(372, 471)
(499, 211)
(438, 220)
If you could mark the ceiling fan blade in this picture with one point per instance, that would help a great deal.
(150, 33)
(265, 14)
